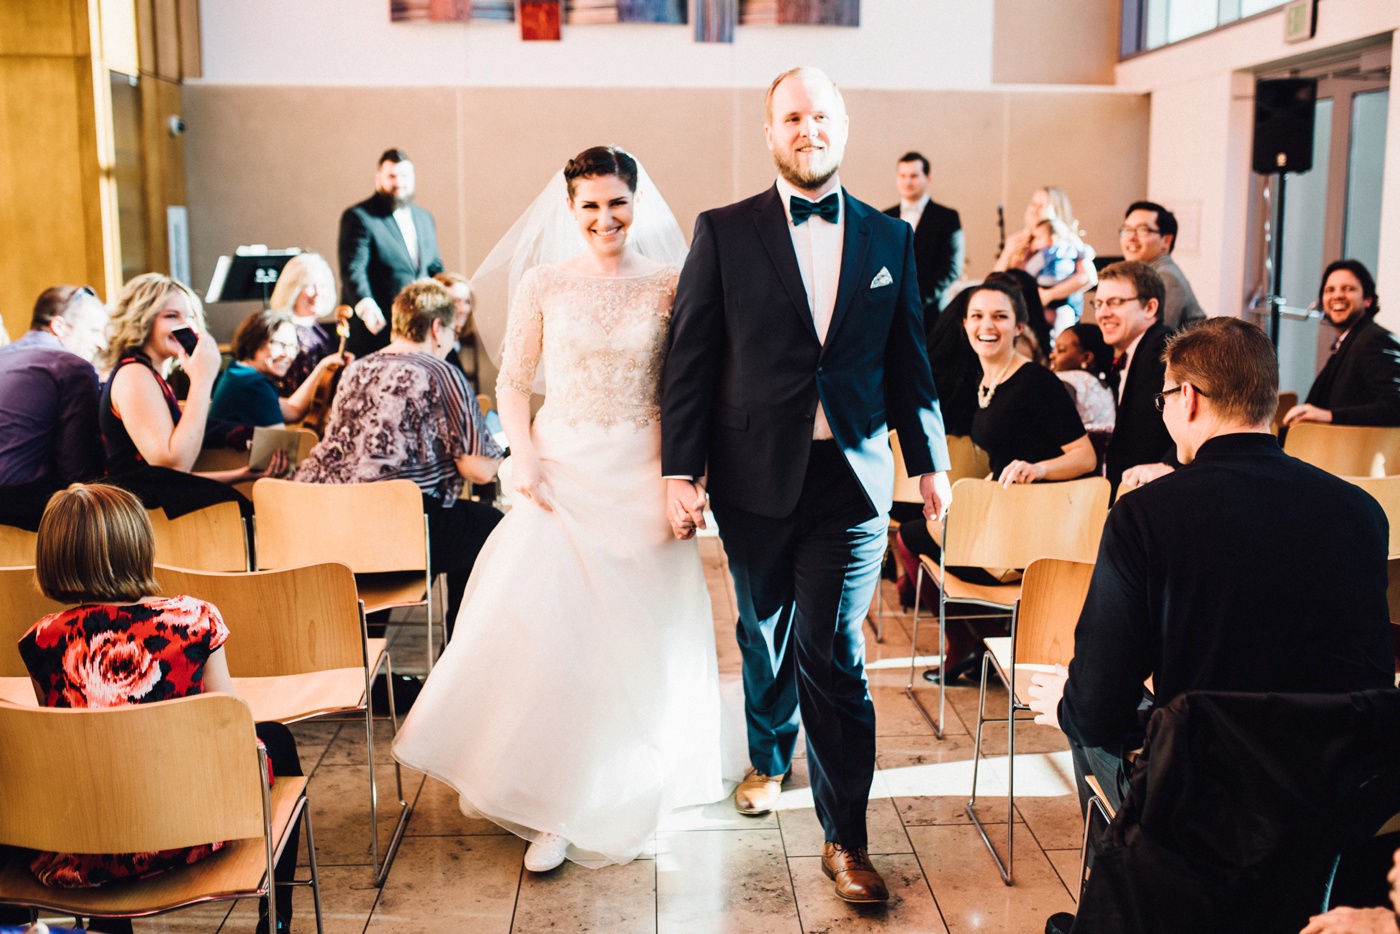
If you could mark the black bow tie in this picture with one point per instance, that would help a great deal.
(828, 209)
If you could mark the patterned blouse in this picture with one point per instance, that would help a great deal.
(103, 655)
(401, 415)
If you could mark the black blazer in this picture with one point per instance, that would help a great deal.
(939, 252)
(374, 262)
(1139, 436)
(745, 370)
(1360, 383)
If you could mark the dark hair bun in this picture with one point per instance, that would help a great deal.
(599, 161)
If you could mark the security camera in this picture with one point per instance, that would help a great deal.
(177, 126)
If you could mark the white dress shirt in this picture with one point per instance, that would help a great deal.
(818, 245)
(1128, 364)
(404, 218)
(910, 213)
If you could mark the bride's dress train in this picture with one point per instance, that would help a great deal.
(579, 694)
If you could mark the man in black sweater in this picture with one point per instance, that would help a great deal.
(1198, 583)
(1360, 383)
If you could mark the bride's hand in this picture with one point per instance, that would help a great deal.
(529, 482)
(685, 508)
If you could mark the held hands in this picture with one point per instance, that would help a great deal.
(685, 506)
(1045, 691)
(1143, 474)
(1306, 413)
(528, 477)
(937, 493)
(1021, 472)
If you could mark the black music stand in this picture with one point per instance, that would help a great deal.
(247, 276)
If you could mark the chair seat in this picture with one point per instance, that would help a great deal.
(1000, 649)
(238, 869)
(289, 698)
(390, 589)
(18, 691)
(1002, 595)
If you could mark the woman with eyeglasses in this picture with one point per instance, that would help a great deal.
(306, 289)
(1052, 248)
(264, 347)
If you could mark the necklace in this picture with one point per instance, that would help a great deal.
(985, 392)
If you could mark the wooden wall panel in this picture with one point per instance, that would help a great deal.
(191, 54)
(167, 35)
(44, 27)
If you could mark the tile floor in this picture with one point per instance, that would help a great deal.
(711, 870)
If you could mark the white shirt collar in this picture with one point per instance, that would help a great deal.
(916, 207)
(787, 191)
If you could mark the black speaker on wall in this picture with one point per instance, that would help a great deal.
(1283, 125)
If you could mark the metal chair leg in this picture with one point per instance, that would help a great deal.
(315, 870)
(1004, 867)
(1095, 804)
(381, 868)
(936, 725)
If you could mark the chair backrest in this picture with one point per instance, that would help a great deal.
(287, 622)
(210, 539)
(135, 778)
(906, 488)
(1386, 491)
(1286, 401)
(1346, 450)
(968, 459)
(21, 606)
(484, 402)
(17, 547)
(306, 440)
(1052, 595)
(369, 527)
(1009, 527)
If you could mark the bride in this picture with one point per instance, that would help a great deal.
(578, 700)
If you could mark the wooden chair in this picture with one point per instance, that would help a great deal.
(1042, 636)
(297, 650)
(1286, 401)
(991, 526)
(111, 800)
(16, 547)
(968, 460)
(21, 606)
(378, 530)
(484, 402)
(1386, 491)
(1346, 450)
(214, 538)
(1098, 803)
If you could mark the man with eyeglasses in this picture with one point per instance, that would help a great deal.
(1187, 588)
(1126, 308)
(1148, 235)
(49, 435)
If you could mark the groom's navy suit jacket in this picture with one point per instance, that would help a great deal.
(745, 369)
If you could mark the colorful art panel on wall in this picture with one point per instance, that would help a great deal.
(451, 11)
(799, 12)
(539, 20)
(715, 19)
(625, 11)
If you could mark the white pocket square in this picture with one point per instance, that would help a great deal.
(882, 277)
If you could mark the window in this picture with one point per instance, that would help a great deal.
(1151, 24)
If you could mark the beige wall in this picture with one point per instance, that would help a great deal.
(277, 165)
(1054, 42)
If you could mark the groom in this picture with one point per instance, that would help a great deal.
(796, 342)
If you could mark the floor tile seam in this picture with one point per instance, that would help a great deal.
(923, 871)
(1043, 851)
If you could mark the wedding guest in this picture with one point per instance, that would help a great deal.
(955, 365)
(461, 288)
(151, 442)
(1026, 423)
(1079, 358)
(1148, 235)
(306, 288)
(940, 248)
(48, 403)
(264, 347)
(1034, 340)
(1360, 383)
(405, 413)
(96, 549)
(1060, 260)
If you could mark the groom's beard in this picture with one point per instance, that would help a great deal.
(821, 165)
(390, 203)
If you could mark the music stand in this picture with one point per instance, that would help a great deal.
(248, 275)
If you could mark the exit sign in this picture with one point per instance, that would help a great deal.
(1299, 20)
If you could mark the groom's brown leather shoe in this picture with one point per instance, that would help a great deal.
(856, 879)
(757, 793)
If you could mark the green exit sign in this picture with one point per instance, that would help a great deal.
(1299, 20)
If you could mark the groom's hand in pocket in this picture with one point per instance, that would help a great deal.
(685, 506)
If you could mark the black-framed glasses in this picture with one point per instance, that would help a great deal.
(1114, 303)
(1140, 231)
(1160, 399)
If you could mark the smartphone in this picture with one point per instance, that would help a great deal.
(187, 338)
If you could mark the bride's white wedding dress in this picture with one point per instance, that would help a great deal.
(579, 694)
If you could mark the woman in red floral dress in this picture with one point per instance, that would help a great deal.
(123, 644)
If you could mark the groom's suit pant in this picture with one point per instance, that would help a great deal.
(804, 584)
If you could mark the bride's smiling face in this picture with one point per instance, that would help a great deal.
(602, 205)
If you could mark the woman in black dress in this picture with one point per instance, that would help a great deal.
(1027, 423)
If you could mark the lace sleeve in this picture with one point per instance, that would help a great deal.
(524, 337)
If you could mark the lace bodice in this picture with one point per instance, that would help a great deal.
(601, 341)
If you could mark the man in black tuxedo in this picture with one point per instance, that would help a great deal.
(796, 343)
(939, 246)
(1127, 310)
(1360, 383)
(386, 241)
(1188, 586)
